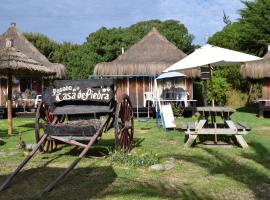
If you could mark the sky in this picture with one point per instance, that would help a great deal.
(74, 20)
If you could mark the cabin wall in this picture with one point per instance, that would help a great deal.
(266, 88)
(135, 88)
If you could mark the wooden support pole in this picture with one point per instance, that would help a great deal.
(9, 104)
(75, 162)
(205, 92)
(7, 182)
(211, 83)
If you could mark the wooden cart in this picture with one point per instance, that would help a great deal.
(77, 113)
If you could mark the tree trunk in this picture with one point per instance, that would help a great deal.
(9, 83)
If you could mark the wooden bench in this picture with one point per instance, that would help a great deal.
(264, 105)
(189, 126)
(242, 127)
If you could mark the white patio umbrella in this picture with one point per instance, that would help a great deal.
(210, 55)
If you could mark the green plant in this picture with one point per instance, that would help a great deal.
(177, 110)
(27, 94)
(217, 90)
(134, 159)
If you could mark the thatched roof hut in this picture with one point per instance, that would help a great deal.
(135, 70)
(151, 55)
(260, 70)
(27, 48)
(257, 69)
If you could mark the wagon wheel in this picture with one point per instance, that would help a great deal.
(44, 116)
(124, 124)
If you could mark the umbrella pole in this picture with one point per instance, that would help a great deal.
(9, 104)
(211, 83)
(205, 92)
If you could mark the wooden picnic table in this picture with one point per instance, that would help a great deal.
(207, 125)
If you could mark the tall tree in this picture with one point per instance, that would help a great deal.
(255, 29)
(105, 44)
(45, 45)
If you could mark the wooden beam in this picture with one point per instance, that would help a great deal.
(69, 141)
(9, 83)
(241, 141)
(191, 140)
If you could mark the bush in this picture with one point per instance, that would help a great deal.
(236, 98)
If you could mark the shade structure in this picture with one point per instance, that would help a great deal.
(212, 55)
(15, 63)
(170, 75)
(26, 47)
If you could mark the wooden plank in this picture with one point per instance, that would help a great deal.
(241, 141)
(81, 109)
(70, 130)
(140, 91)
(231, 125)
(121, 85)
(191, 126)
(184, 126)
(132, 91)
(218, 131)
(200, 124)
(191, 140)
(244, 126)
(84, 83)
(69, 141)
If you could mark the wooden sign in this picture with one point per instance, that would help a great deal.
(78, 93)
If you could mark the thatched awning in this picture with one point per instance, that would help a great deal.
(13, 62)
(27, 48)
(257, 69)
(151, 55)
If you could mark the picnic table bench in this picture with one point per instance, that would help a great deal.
(264, 105)
(207, 125)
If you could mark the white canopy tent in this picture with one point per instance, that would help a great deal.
(211, 56)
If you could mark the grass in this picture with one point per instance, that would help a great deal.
(200, 172)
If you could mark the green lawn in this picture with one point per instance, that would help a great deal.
(201, 172)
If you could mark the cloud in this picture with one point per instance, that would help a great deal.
(74, 20)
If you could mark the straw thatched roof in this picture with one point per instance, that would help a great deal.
(151, 55)
(27, 48)
(257, 69)
(13, 62)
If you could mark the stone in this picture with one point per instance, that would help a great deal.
(169, 166)
(158, 167)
